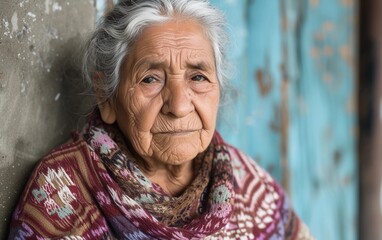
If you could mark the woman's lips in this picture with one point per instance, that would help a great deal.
(177, 132)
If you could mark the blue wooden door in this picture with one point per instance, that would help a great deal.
(294, 106)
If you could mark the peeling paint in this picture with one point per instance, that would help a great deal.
(327, 77)
(7, 31)
(337, 157)
(328, 26)
(14, 21)
(47, 6)
(318, 36)
(56, 7)
(264, 81)
(22, 87)
(23, 2)
(346, 54)
(23, 32)
(314, 52)
(57, 97)
(3, 85)
(328, 51)
(32, 15)
(347, 3)
(314, 3)
(53, 6)
(53, 33)
(42, 63)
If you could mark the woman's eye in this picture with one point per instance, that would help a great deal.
(199, 78)
(149, 80)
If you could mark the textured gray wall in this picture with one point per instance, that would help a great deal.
(39, 86)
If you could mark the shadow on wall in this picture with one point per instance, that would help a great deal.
(42, 94)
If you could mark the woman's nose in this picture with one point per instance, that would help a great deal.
(177, 99)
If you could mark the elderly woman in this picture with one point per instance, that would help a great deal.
(149, 164)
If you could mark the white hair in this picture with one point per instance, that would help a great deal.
(115, 34)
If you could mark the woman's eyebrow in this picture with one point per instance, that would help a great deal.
(202, 65)
(159, 64)
(149, 64)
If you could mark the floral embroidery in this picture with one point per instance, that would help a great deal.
(221, 194)
(102, 141)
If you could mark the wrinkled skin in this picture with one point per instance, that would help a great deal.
(168, 100)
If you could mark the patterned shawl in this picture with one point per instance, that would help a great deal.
(92, 188)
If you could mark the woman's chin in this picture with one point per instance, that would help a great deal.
(177, 154)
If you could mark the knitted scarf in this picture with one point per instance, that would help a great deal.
(202, 209)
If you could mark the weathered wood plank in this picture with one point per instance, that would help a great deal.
(257, 57)
(303, 53)
(322, 132)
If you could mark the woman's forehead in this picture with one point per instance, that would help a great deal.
(174, 34)
(169, 42)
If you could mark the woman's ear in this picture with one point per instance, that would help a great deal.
(108, 113)
(106, 108)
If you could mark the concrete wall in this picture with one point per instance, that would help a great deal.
(40, 84)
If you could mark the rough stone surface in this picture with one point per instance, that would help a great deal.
(40, 86)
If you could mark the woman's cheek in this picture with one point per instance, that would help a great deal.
(208, 112)
(144, 110)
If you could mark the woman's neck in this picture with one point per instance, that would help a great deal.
(173, 179)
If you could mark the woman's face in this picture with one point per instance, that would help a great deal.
(168, 97)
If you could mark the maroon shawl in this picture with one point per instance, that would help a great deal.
(91, 188)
